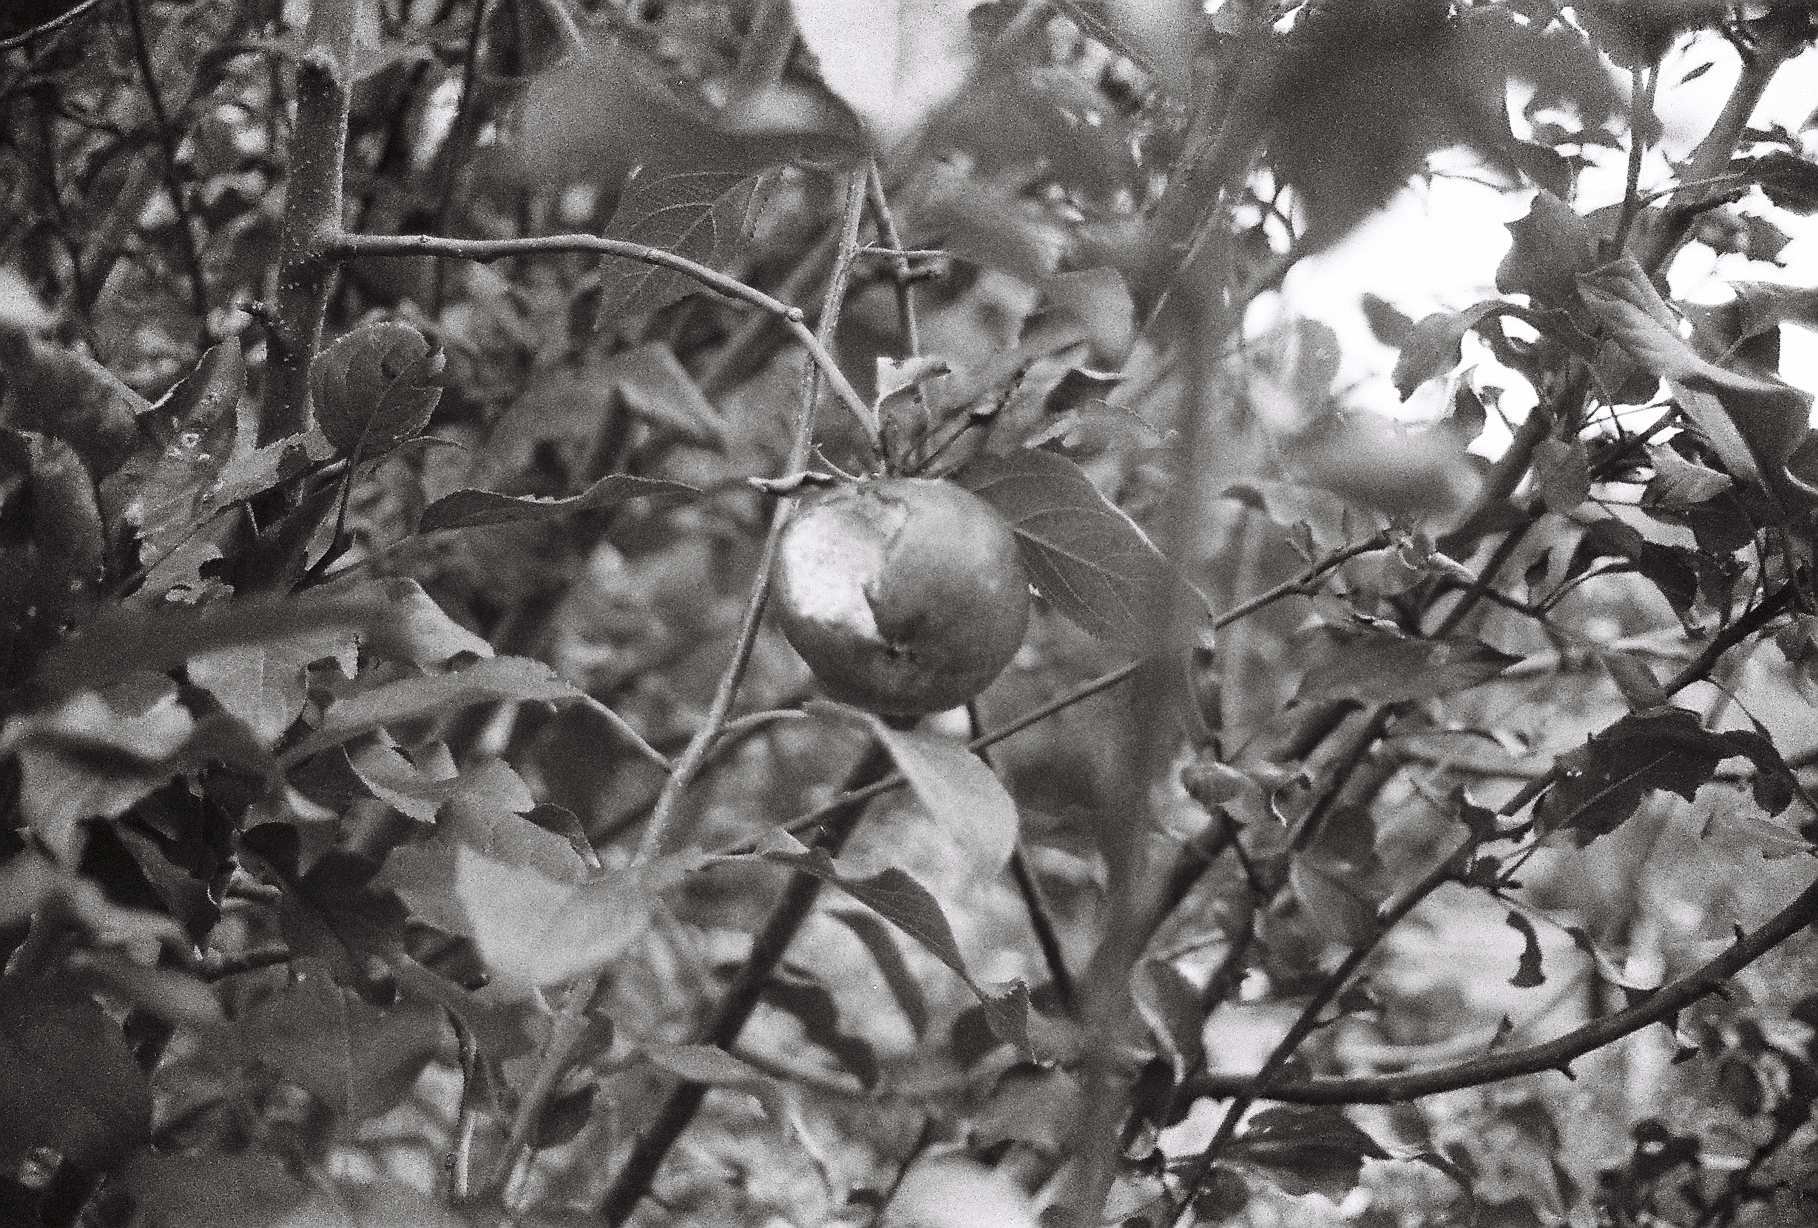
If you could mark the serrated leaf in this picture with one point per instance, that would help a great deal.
(1082, 552)
(1332, 904)
(501, 678)
(964, 795)
(71, 1082)
(1789, 180)
(372, 388)
(1308, 1149)
(1381, 667)
(466, 509)
(705, 216)
(1551, 245)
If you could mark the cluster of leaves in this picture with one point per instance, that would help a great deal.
(378, 781)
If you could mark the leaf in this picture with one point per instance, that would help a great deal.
(905, 989)
(501, 678)
(1082, 552)
(1430, 348)
(717, 1068)
(1308, 1149)
(1678, 484)
(1332, 904)
(466, 509)
(60, 392)
(1754, 425)
(1031, 1105)
(813, 1006)
(1551, 245)
(1381, 667)
(1170, 1005)
(1639, 687)
(216, 1189)
(963, 794)
(71, 1082)
(906, 904)
(52, 547)
(1605, 780)
(1388, 323)
(371, 388)
(1562, 474)
(1789, 180)
(564, 1116)
(855, 44)
(704, 216)
(1528, 973)
(656, 386)
(536, 915)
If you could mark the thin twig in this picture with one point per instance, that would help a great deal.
(52, 26)
(905, 286)
(1641, 102)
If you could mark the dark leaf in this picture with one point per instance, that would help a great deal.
(815, 1008)
(565, 1115)
(1562, 471)
(466, 509)
(372, 388)
(1170, 1005)
(1307, 1149)
(52, 546)
(1551, 246)
(1605, 780)
(1430, 348)
(1334, 905)
(215, 1189)
(58, 392)
(1388, 323)
(1082, 552)
(71, 1082)
(1381, 667)
(1678, 483)
(1528, 973)
(1789, 180)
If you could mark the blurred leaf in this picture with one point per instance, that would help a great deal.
(1031, 1105)
(1528, 973)
(717, 1068)
(854, 43)
(1307, 1149)
(705, 216)
(905, 989)
(52, 546)
(1383, 465)
(1170, 1005)
(1639, 687)
(963, 794)
(71, 1082)
(657, 387)
(62, 393)
(813, 1006)
(564, 1116)
(1789, 180)
(501, 678)
(1082, 552)
(1552, 245)
(215, 1189)
(466, 509)
(1380, 667)
(1388, 323)
(1098, 300)
(1430, 348)
(372, 388)
(1562, 473)
(1333, 905)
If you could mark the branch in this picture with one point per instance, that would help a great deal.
(173, 187)
(1557, 1054)
(52, 26)
(312, 217)
(347, 246)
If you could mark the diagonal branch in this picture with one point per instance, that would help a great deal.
(1557, 1054)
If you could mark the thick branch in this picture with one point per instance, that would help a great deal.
(1557, 1054)
(312, 217)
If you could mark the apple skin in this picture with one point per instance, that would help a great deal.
(903, 595)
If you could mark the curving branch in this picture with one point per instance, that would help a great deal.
(1556, 1054)
(351, 246)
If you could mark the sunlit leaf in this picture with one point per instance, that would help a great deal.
(964, 795)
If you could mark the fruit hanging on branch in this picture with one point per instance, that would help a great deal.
(903, 595)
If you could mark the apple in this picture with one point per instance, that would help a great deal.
(903, 595)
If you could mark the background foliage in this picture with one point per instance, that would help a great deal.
(412, 818)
